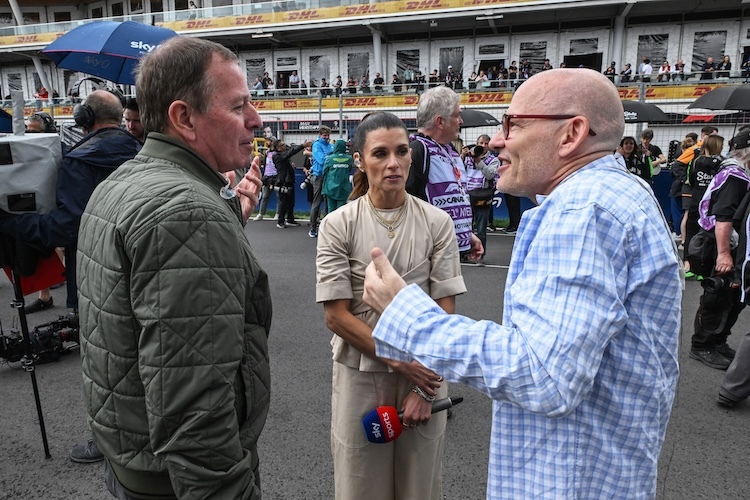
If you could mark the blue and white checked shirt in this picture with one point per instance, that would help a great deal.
(583, 369)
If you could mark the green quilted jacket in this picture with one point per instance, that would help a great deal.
(175, 313)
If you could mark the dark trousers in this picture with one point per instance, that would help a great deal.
(317, 184)
(286, 206)
(513, 203)
(717, 313)
(481, 219)
(675, 208)
(691, 229)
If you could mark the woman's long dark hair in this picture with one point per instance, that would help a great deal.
(372, 121)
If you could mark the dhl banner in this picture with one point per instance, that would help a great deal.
(35, 39)
(330, 13)
(479, 99)
(661, 92)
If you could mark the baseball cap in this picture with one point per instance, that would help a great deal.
(740, 141)
(450, 67)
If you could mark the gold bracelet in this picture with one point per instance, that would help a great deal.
(424, 395)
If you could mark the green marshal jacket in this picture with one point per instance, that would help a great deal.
(175, 313)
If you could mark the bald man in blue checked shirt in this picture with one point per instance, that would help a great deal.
(583, 369)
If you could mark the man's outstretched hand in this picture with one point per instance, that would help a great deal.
(382, 282)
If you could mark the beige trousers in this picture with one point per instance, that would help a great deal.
(411, 467)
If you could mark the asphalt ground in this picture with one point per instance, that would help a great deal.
(704, 456)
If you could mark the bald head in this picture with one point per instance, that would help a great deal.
(107, 109)
(576, 91)
(558, 121)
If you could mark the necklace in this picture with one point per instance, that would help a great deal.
(392, 224)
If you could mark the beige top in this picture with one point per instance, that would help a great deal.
(423, 251)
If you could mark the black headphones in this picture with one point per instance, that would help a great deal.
(49, 123)
(84, 116)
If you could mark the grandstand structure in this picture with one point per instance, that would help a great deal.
(322, 39)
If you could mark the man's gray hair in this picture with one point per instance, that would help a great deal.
(176, 71)
(742, 155)
(437, 101)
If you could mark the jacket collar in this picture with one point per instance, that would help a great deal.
(175, 151)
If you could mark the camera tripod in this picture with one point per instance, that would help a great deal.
(9, 257)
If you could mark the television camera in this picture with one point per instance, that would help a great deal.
(49, 341)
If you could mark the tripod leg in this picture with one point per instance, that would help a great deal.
(28, 360)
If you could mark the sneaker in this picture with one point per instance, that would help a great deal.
(281, 226)
(509, 230)
(39, 305)
(726, 351)
(292, 224)
(726, 402)
(313, 233)
(258, 217)
(711, 358)
(86, 453)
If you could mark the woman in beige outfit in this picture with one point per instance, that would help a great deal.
(420, 240)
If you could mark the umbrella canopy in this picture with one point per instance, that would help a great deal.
(639, 112)
(6, 122)
(731, 97)
(476, 118)
(107, 49)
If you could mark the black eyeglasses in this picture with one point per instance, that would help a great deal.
(507, 118)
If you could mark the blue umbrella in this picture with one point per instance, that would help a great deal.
(6, 122)
(107, 49)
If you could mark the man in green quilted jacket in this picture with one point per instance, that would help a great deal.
(175, 310)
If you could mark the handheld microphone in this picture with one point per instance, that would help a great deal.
(383, 424)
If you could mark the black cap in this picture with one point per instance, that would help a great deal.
(740, 141)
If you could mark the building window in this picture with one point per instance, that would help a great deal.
(358, 65)
(535, 53)
(708, 44)
(255, 68)
(320, 67)
(15, 82)
(406, 58)
(61, 16)
(584, 46)
(286, 61)
(491, 50)
(654, 47)
(451, 56)
(97, 12)
(136, 6)
(118, 9)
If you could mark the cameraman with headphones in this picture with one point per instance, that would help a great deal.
(104, 148)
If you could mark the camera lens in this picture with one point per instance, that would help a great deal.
(716, 283)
